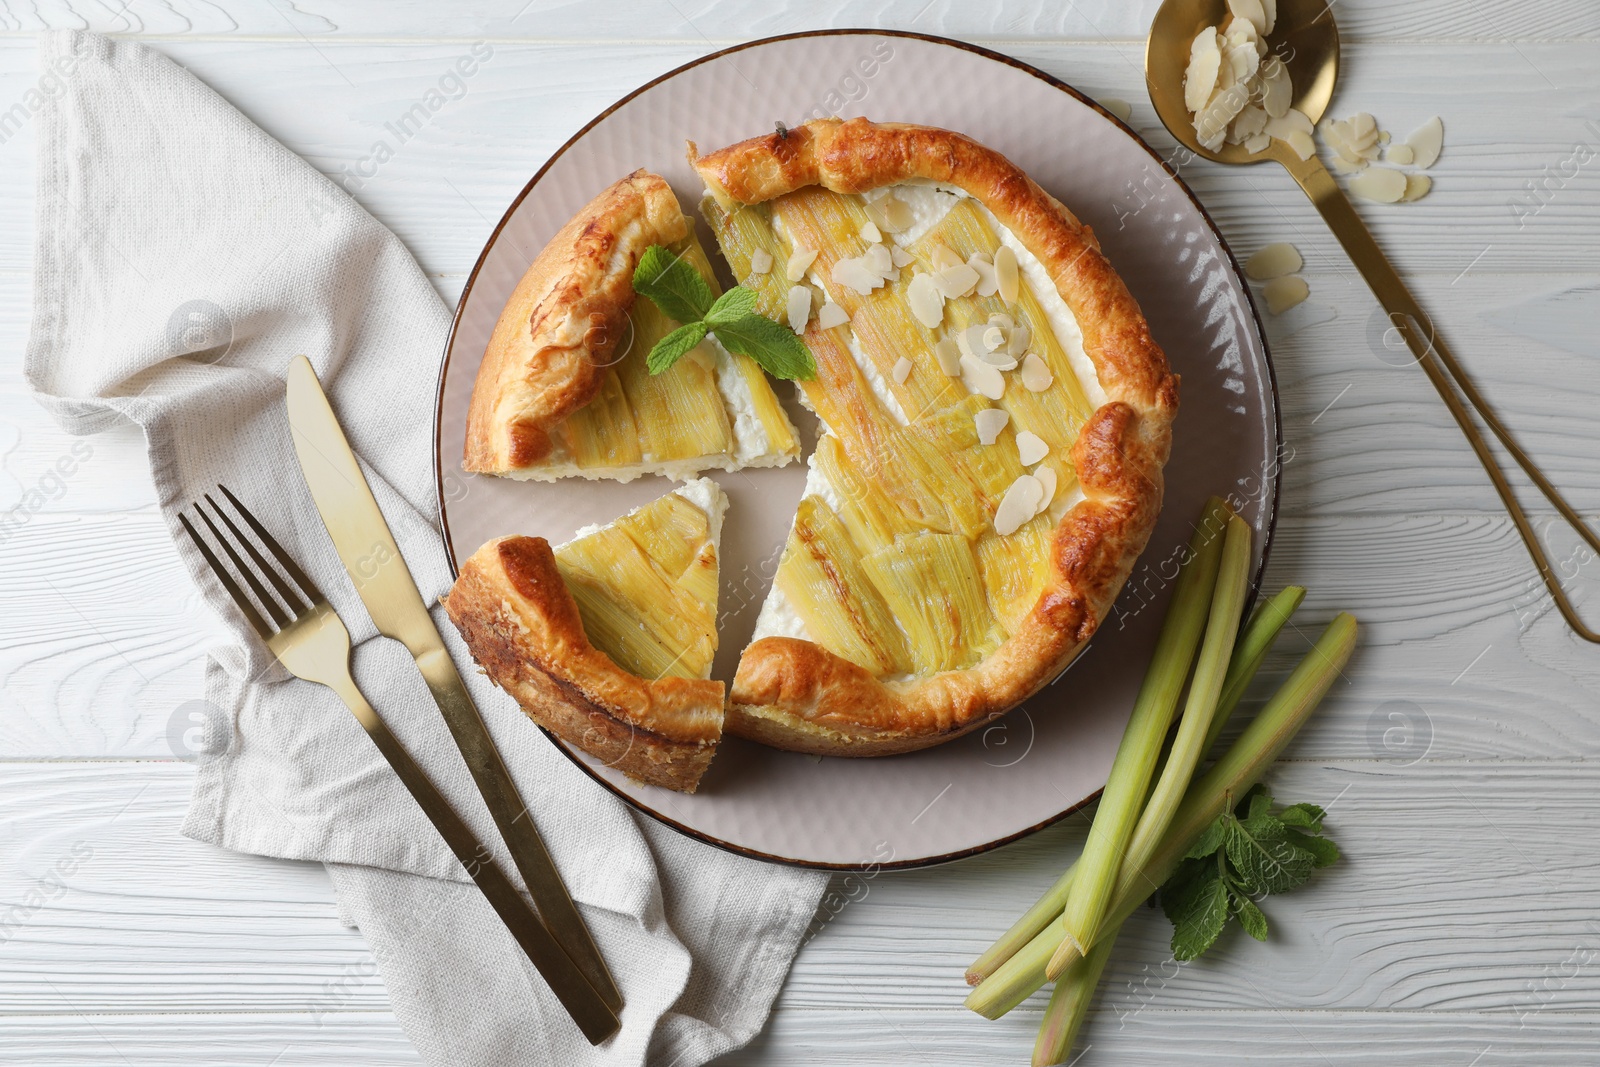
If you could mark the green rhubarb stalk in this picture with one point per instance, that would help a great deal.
(1135, 761)
(1069, 1004)
(1249, 654)
(1264, 626)
(1222, 629)
(1239, 768)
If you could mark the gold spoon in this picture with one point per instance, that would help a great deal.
(1307, 40)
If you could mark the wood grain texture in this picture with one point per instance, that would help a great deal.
(1457, 758)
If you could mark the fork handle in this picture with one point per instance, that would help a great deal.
(588, 1010)
(1441, 367)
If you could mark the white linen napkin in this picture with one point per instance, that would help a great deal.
(183, 257)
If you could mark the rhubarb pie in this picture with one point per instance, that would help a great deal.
(607, 640)
(996, 418)
(563, 388)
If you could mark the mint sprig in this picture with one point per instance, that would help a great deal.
(1248, 852)
(682, 293)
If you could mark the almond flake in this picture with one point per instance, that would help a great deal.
(1259, 142)
(1000, 361)
(1401, 155)
(971, 341)
(956, 281)
(870, 232)
(1020, 504)
(897, 213)
(1252, 10)
(1273, 261)
(943, 257)
(1270, 9)
(799, 308)
(1031, 448)
(830, 315)
(1284, 293)
(1036, 376)
(1205, 61)
(855, 274)
(988, 277)
(1120, 108)
(900, 257)
(1417, 187)
(800, 262)
(1002, 320)
(948, 355)
(1382, 184)
(1017, 341)
(1291, 120)
(1005, 270)
(993, 337)
(989, 422)
(1427, 142)
(760, 261)
(902, 370)
(1277, 94)
(1301, 143)
(981, 378)
(927, 303)
(1047, 478)
(879, 261)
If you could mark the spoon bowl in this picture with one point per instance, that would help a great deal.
(1305, 38)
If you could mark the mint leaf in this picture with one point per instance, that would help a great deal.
(1323, 852)
(673, 285)
(1303, 816)
(735, 304)
(1248, 851)
(1210, 840)
(1250, 917)
(777, 348)
(672, 347)
(1256, 802)
(1198, 915)
(1264, 860)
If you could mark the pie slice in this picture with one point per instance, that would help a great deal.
(996, 419)
(563, 388)
(607, 640)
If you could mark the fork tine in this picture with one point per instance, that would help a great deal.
(307, 587)
(295, 605)
(239, 597)
(264, 598)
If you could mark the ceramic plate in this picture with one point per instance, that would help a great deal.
(1051, 755)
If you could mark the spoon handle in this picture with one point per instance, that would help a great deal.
(1436, 361)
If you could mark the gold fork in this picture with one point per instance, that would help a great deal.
(311, 641)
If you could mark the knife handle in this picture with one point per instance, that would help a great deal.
(592, 1014)
(511, 816)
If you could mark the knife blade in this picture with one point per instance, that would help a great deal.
(381, 578)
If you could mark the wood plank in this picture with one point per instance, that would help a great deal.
(866, 1036)
(444, 188)
(1091, 20)
(287, 1039)
(1459, 892)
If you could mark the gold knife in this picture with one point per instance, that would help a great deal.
(384, 582)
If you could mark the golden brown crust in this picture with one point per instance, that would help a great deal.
(522, 626)
(554, 339)
(795, 694)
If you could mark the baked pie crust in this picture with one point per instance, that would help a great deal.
(514, 605)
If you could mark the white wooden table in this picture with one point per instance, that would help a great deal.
(1462, 928)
